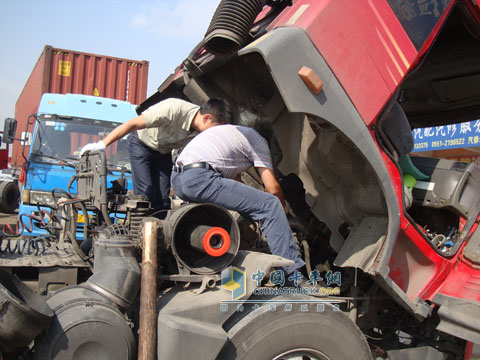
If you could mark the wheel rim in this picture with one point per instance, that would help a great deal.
(302, 354)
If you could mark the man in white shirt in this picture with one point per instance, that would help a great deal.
(165, 126)
(208, 171)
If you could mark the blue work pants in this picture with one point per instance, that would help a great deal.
(151, 172)
(207, 186)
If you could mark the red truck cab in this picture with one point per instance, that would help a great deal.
(341, 134)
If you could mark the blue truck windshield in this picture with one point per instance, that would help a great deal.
(60, 139)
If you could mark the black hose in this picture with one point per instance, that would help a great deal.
(230, 26)
(70, 183)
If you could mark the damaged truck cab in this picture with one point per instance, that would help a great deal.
(336, 87)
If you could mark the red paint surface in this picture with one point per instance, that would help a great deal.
(474, 8)
(468, 350)
(421, 272)
(370, 54)
(354, 37)
(463, 282)
(114, 78)
(417, 268)
(414, 266)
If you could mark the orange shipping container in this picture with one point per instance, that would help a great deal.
(71, 72)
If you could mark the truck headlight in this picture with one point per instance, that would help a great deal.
(41, 198)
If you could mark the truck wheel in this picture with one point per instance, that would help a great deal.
(312, 335)
(9, 196)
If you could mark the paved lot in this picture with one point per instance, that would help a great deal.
(8, 218)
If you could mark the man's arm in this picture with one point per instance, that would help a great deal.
(117, 133)
(124, 129)
(271, 184)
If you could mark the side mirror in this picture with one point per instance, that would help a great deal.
(9, 130)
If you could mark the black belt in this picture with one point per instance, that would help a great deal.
(195, 165)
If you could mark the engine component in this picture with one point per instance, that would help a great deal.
(212, 240)
(231, 24)
(116, 272)
(91, 178)
(137, 207)
(24, 314)
(85, 327)
(204, 238)
(71, 294)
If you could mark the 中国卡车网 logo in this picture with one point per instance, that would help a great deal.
(233, 279)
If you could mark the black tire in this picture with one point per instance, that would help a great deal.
(308, 335)
(9, 196)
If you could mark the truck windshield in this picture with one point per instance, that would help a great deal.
(59, 139)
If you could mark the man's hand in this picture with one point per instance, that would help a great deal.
(93, 147)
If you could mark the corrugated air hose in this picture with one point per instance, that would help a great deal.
(228, 31)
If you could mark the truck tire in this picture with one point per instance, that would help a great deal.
(9, 196)
(312, 335)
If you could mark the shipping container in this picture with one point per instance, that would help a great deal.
(71, 72)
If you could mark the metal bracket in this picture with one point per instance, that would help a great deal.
(209, 281)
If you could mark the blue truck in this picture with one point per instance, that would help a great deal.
(62, 126)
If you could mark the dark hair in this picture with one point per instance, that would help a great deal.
(220, 110)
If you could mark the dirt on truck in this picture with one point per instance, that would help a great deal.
(390, 240)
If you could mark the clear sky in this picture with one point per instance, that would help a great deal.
(160, 31)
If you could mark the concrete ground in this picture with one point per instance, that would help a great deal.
(8, 218)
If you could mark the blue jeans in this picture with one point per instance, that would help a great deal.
(208, 186)
(150, 172)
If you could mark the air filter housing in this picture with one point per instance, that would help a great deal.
(204, 238)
